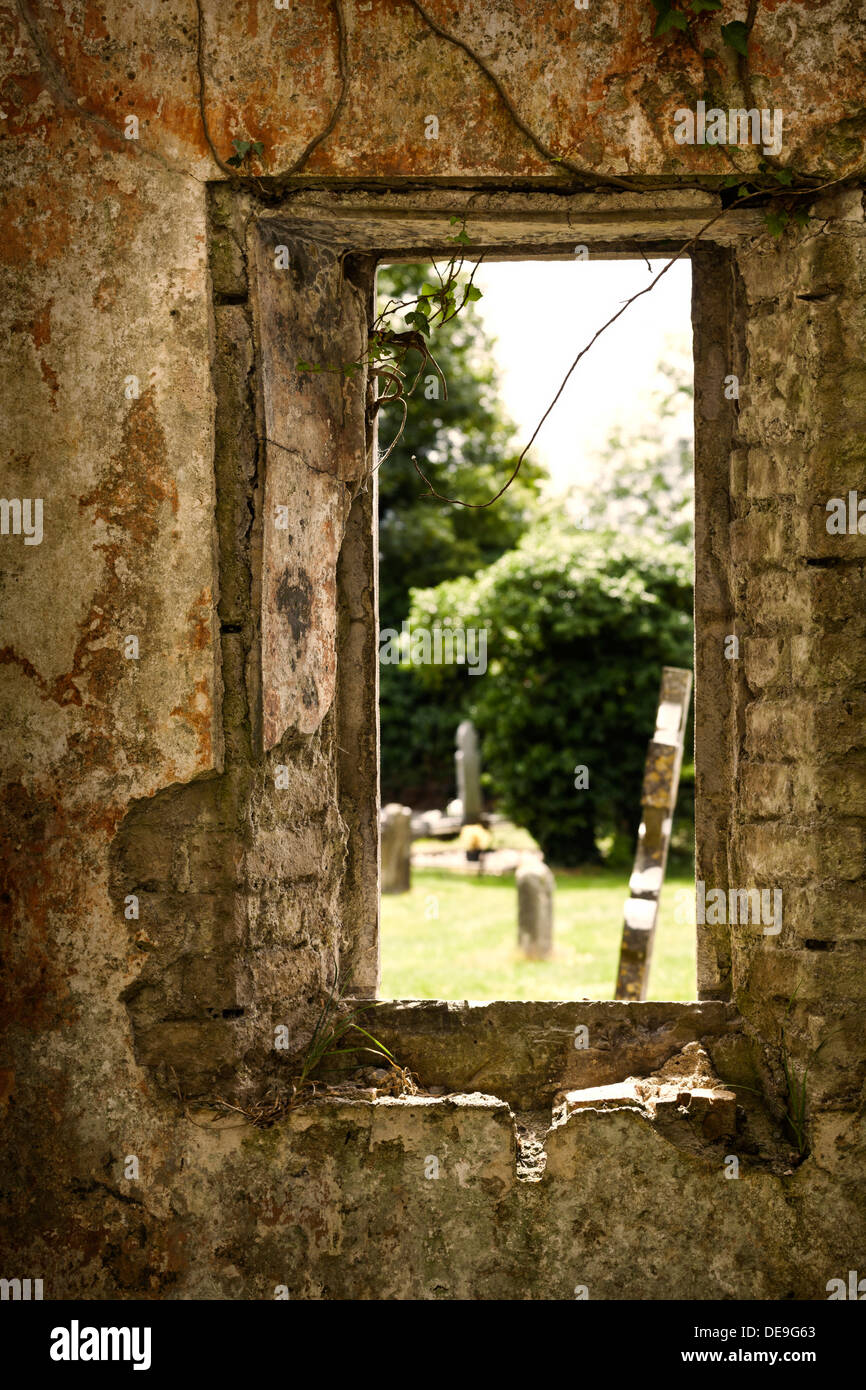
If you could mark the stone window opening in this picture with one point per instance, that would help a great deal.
(273, 861)
(572, 298)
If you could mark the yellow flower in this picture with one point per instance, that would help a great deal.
(474, 837)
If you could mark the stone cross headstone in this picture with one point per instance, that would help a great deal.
(468, 762)
(658, 799)
(535, 885)
(396, 836)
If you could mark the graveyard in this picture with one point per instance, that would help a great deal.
(455, 928)
(453, 936)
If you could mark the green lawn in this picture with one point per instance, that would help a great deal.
(470, 950)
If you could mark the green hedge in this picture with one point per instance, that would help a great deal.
(579, 626)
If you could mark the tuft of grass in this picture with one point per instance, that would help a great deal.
(331, 1030)
(327, 1035)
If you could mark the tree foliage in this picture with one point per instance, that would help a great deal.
(646, 481)
(580, 625)
(467, 446)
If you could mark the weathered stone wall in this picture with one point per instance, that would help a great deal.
(799, 819)
(157, 776)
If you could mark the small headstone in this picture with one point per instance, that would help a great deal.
(535, 885)
(468, 763)
(396, 836)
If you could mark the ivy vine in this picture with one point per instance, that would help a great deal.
(682, 16)
(388, 347)
(387, 350)
(245, 151)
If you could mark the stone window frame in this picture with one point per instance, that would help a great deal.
(347, 234)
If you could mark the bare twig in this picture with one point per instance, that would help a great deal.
(58, 85)
(202, 105)
(590, 176)
(314, 142)
(341, 99)
(747, 197)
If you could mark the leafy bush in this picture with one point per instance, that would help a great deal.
(580, 624)
(418, 729)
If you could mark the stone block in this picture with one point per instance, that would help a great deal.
(765, 789)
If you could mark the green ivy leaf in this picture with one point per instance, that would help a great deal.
(662, 5)
(736, 36)
(700, 6)
(776, 222)
(801, 217)
(729, 180)
(242, 146)
(783, 176)
(235, 160)
(671, 19)
(418, 321)
(472, 293)
(258, 148)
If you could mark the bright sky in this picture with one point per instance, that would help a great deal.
(543, 312)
